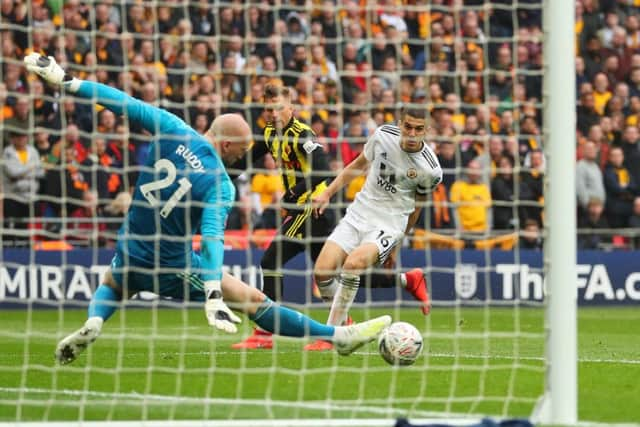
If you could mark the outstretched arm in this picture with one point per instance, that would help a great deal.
(214, 217)
(153, 119)
(354, 169)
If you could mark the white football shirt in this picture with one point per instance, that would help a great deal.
(394, 177)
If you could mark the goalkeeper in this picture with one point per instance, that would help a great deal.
(184, 186)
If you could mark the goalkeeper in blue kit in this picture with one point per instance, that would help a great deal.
(183, 188)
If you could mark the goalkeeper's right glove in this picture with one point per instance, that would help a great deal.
(217, 312)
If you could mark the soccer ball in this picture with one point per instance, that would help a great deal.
(400, 344)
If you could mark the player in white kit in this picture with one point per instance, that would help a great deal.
(401, 170)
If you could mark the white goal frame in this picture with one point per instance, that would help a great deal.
(560, 401)
(558, 405)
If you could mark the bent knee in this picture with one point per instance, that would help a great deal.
(324, 271)
(355, 264)
(111, 283)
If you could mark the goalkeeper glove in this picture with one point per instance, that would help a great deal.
(217, 312)
(50, 71)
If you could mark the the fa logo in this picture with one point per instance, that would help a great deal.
(412, 173)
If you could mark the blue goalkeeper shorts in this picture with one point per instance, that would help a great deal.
(175, 283)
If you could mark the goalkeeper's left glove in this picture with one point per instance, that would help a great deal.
(45, 67)
(217, 312)
(49, 70)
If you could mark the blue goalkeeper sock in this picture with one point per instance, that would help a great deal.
(289, 323)
(104, 302)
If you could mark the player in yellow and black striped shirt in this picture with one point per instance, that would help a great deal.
(304, 168)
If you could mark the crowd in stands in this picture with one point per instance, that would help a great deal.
(475, 65)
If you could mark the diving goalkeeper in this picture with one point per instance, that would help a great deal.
(183, 187)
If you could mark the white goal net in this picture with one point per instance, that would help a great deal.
(474, 67)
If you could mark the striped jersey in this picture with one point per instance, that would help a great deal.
(394, 178)
(294, 151)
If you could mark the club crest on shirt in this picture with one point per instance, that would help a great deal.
(412, 173)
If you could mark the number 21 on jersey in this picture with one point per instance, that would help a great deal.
(164, 165)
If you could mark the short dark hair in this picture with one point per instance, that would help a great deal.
(271, 91)
(413, 111)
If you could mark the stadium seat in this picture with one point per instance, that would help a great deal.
(423, 239)
(505, 242)
(52, 245)
(620, 242)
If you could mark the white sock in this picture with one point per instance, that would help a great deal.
(403, 280)
(327, 289)
(345, 294)
(94, 323)
(339, 335)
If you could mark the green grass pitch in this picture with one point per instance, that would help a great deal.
(168, 364)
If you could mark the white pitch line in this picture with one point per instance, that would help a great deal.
(534, 358)
(440, 355)
(322, 406)
(465, 419)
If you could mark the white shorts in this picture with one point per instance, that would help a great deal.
(349, 237)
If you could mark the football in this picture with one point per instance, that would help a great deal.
(400, 344)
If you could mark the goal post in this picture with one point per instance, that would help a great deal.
(559, 404)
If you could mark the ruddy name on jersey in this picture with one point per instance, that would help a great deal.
(192, 159)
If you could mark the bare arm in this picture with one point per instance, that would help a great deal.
(413, 218)
(356, 168)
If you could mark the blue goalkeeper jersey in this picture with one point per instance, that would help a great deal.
(182, 188)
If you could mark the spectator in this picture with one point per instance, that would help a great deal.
(619, 51)
(355, 137)
(589, 179)
(531, 237)
(505, 193)
(22, 116)
(43, 109)
(587, 113)
(533, 185)
(71, 112)
(601, 93)
(21, 170)
(591, 224)
(65, 182)
(321, 66)
(621, 189)
(490, 159)
(85, 228)
(631, 149)
(329, 27)
(448, 162)
(471, 199)
(105, 179)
